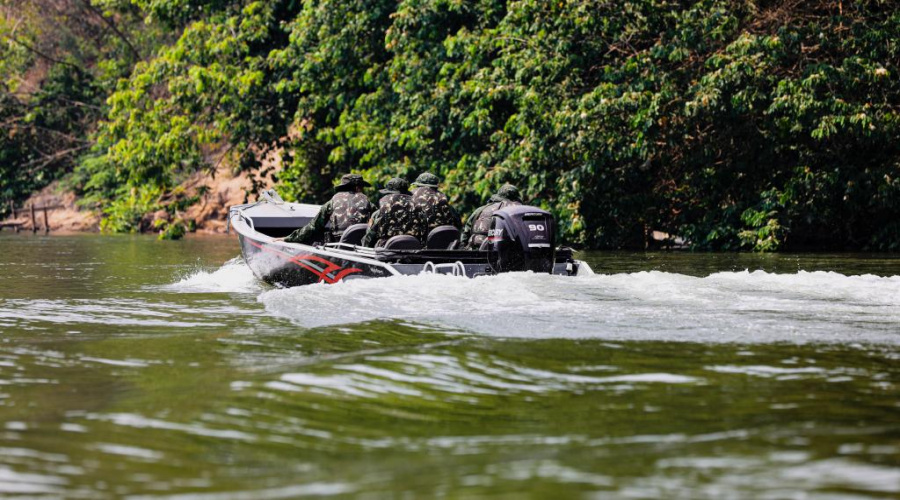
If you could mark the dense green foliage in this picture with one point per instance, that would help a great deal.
(736, 124)
(59, 61)
(43, 133)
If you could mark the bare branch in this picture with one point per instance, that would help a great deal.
(37, 52)
(114, 28)
(50, 158)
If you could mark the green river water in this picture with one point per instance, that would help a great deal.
(133, 368)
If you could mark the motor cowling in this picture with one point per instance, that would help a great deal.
(522, 238)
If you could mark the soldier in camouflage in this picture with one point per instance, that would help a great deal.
(478, 224)
(347, 207)
(396, 215)
(434, 203)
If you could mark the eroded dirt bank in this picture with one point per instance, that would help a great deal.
(67, 215)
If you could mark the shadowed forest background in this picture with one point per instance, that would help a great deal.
(763, 125)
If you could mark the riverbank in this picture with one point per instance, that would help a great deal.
(67, 214)
(63, 213)
(734, 125)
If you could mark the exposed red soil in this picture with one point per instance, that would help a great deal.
(224, 190)
(67, 218)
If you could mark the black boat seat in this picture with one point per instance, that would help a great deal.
(442, 238)
(402, 242)
(354, 234)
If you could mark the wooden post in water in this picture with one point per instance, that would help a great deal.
(46, 221)
(14, 213)
(33, 220)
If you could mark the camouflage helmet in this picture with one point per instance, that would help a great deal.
(428, 180)
(396, 185)
(509, 192)
(351, 181)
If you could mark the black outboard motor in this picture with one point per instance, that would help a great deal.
(522, 238)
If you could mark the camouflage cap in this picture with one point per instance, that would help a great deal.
(428, 180)
(350, 181)
(509, 192)
(396, 185)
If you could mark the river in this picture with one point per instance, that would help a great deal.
(133, 368)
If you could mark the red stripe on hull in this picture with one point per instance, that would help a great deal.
(298, 260)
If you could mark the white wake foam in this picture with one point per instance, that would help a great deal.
(234, 276)
(728, 306)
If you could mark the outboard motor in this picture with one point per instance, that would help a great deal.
(522, 238)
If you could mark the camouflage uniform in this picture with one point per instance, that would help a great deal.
(396, 215)
(434, 203)
(343, 210)
(478, 224)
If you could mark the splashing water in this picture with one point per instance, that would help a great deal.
(233, 277)
(723, 307)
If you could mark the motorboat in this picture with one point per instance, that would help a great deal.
(521, 238)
